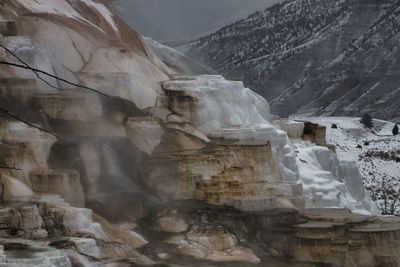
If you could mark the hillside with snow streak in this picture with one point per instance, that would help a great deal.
(313, 57)
(375, 151)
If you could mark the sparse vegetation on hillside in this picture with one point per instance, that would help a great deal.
(395, 130)
(367, 121)
(314, 56)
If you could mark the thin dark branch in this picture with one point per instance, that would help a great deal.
(27, 65)
(38, 71)
(4, 111)
(55, 77)
(9, 168)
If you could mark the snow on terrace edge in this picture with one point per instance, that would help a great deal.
(375, 151)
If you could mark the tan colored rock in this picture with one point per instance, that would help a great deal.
(145, 133)
(177, 141)
(14, 189)
(197, 251)
(116, 234)
(175, 240)
(163, 256)
(18, 160)
(22, 221)
(341, 238)
(71, 106)
(171, 223)
(66, 183)
(37, 141)
(315, 133)
(187, 128)
(243, 176)
(213, 243)
(19, 253)
(64, 220)
(212, 237)
(8, 28)
(239, 254)
(27, 217)
(86, 246)
(18, 88)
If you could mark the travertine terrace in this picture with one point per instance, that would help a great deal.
(133, 163)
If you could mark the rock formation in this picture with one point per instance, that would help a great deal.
(125, 161)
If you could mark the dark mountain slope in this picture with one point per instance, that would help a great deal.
(313, 56)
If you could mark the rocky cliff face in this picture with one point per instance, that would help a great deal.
(313, 57)
(128, 161)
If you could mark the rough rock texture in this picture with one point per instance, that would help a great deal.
(171, 223)
(243, 176)
(314, 133)
(23, 254)
(19, 88)
(159, 168)
(213, 243)
(8, 28)
(65, 183)
(80, 45)
(331, 242)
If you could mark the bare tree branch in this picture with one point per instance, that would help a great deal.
(38, 71)
(10, 114)
(27, 65)
(9, 168)
(55, 77)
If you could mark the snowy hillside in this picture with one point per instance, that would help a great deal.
(377, 153)
(318, 57)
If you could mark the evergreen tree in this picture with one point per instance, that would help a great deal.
(367, 121)
(395, 130)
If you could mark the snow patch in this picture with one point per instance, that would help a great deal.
(373, 151)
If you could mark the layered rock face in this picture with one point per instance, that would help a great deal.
(193, 164)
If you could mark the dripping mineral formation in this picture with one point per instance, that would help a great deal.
(133, 159)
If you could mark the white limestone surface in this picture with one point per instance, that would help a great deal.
(222, 105)
(327, 183)
(226, 109)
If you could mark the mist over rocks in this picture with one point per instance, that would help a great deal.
(134, 158)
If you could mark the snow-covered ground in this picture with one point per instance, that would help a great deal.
(376, 152)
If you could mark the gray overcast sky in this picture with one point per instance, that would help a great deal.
(170, 20)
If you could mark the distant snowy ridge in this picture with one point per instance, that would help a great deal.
(313, 57)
